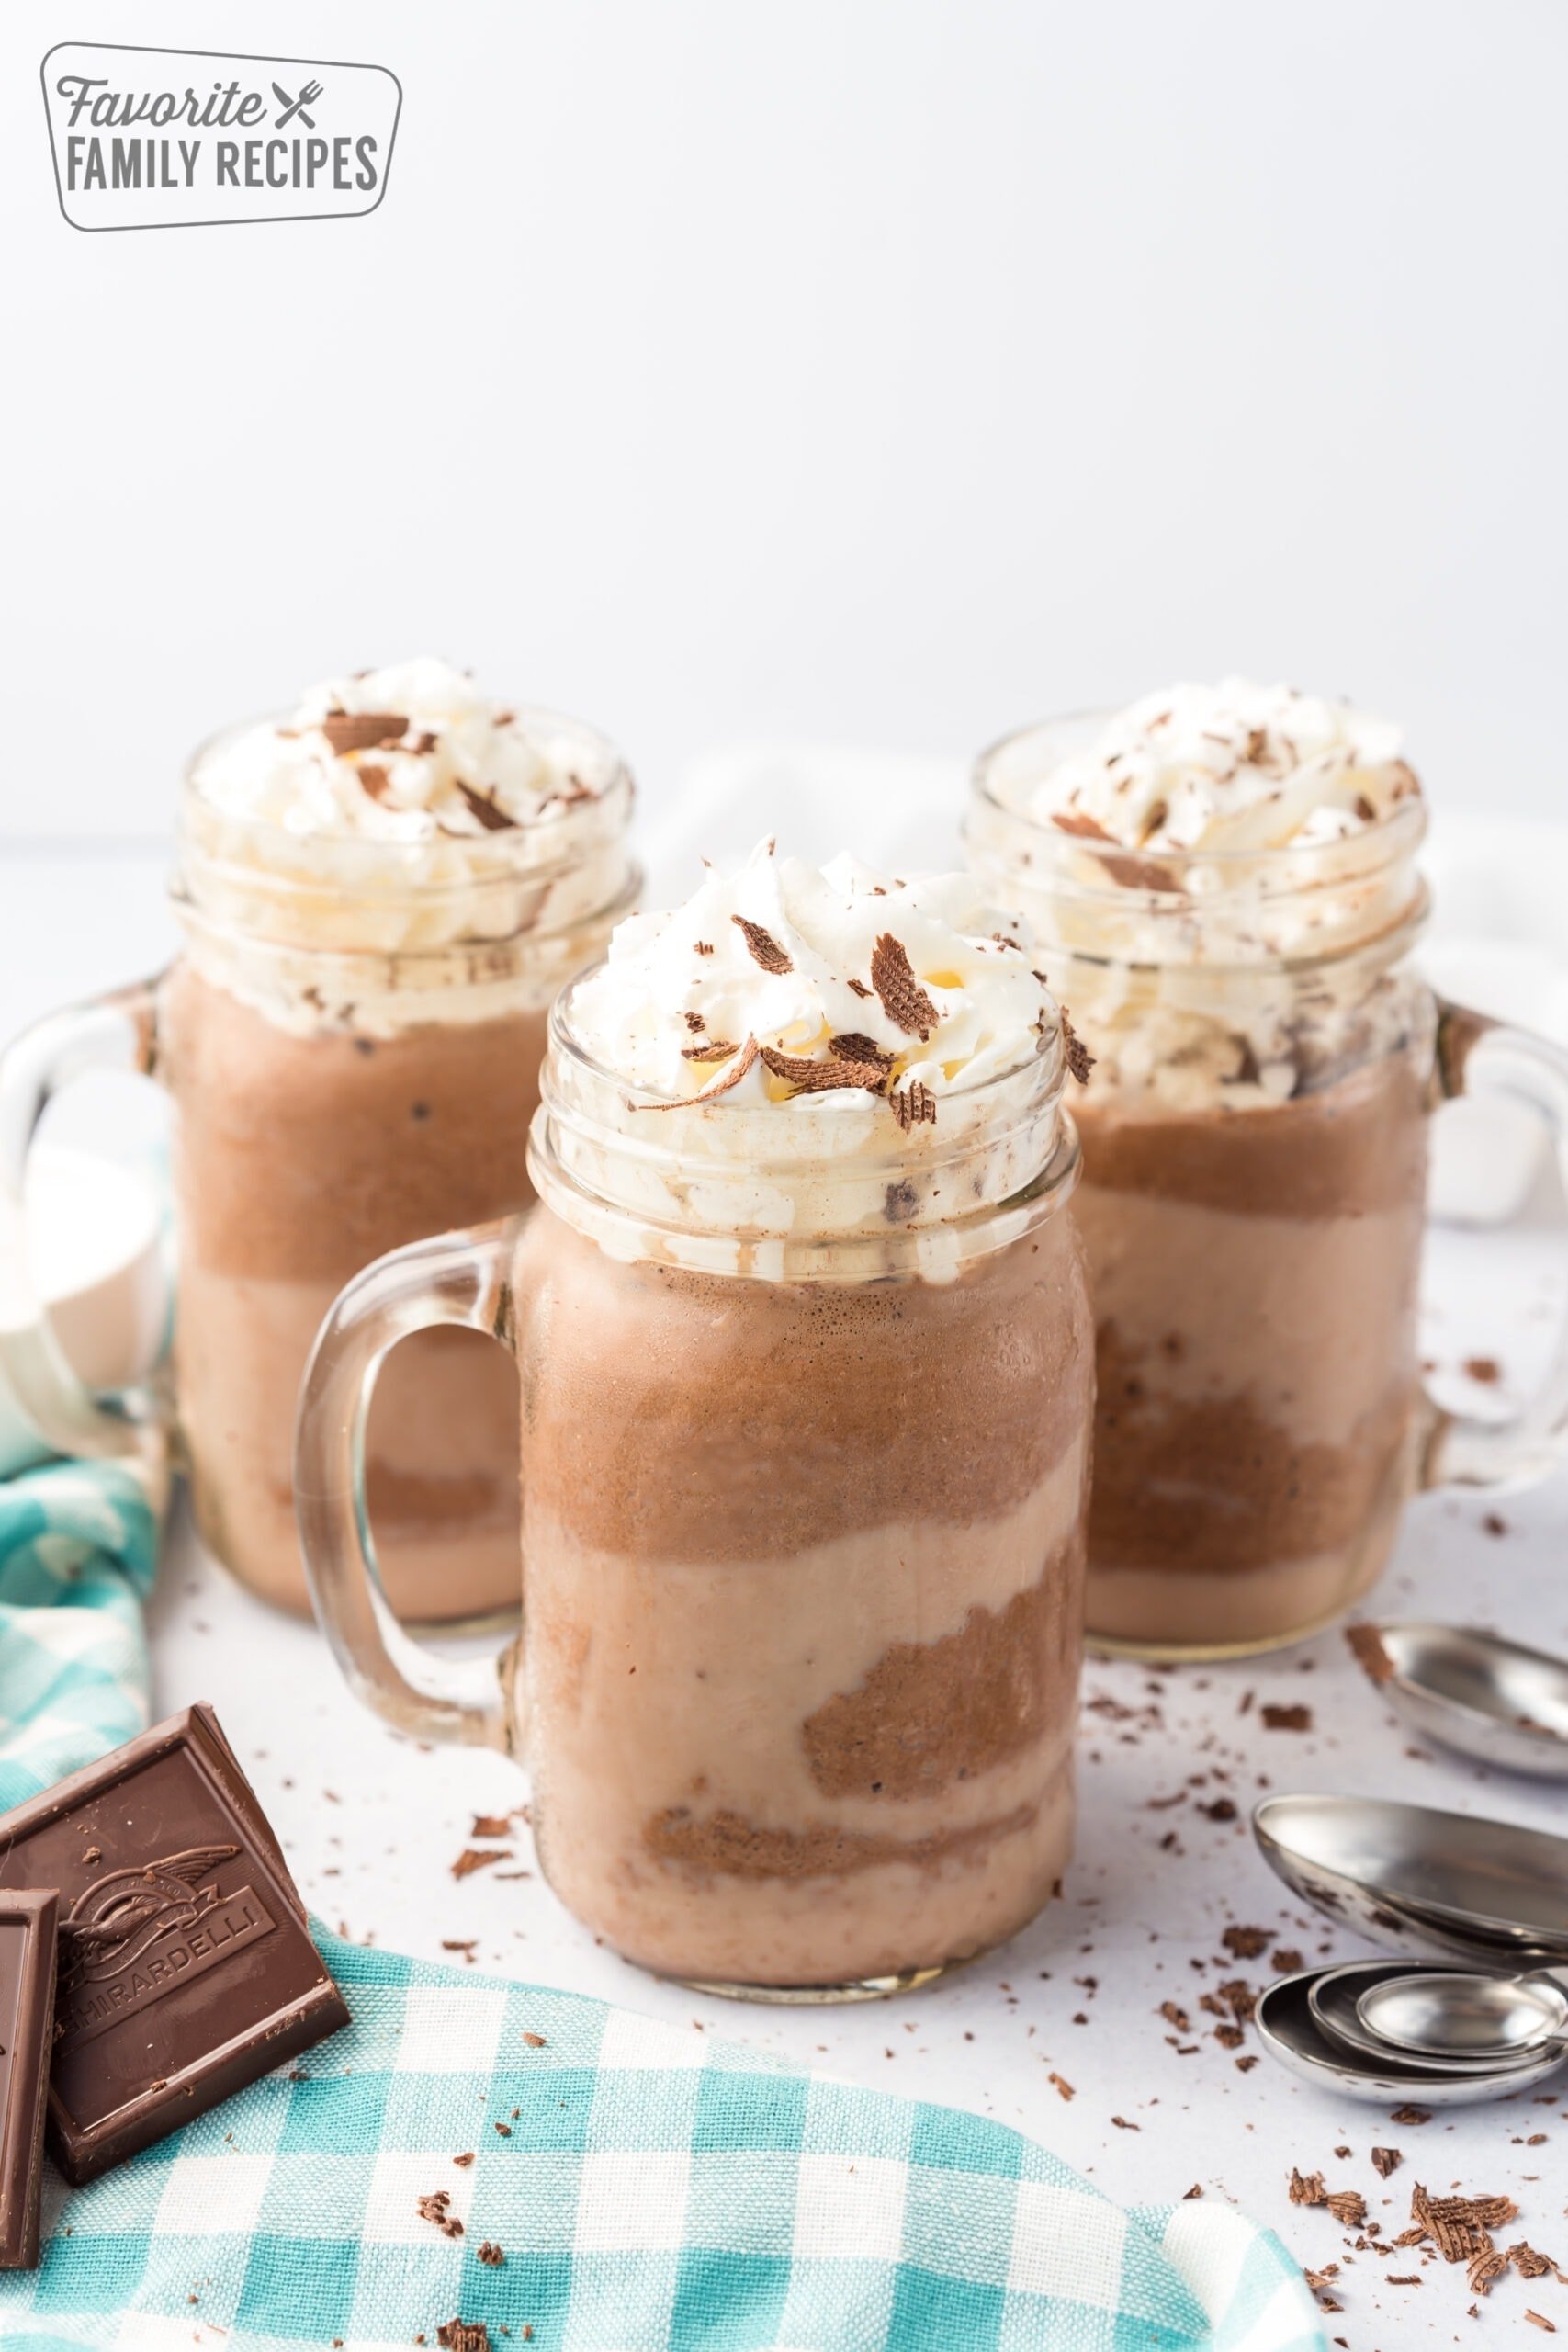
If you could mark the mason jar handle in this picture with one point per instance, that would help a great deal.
(117, 1031)
(1479, 1056)
(459, 1278)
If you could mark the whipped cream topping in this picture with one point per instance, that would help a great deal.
(413, 753)
(834, 1075)
(785, 983)
(401, 849)
(1234, 767)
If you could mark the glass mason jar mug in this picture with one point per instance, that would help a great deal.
(802, 1533)
(352, 1038)
(1253, 1201)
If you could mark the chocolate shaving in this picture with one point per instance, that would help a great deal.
(464, 2335)
(362, 730)
(491, 2255)
(1529, 2262)
(1367, 1648)
(914, 1106)
(1080, 1061)
(904, 1000)
(709, 1053)
(374, 779)
(1078, 822)
(1295, 1718)
(433, 2209)
(493, 819)
(423, 745)
(491, 1824)
(471, 1860)
(823, 1078)
(1348, 2208)
(1307, 2188)
(854, 1046)
(858, 987)
(1386, 2160)
(765, 948)
(1133, 873)
(720, 1083)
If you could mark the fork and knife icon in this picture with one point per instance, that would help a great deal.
(292, 107)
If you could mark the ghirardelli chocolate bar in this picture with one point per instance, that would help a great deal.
(185, 1968)
(26, 2004)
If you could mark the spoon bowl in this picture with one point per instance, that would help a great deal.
(1494, 1701)
(1437, 1885)
(1292, 2036)
(1470, 2019)
(1340, 1999)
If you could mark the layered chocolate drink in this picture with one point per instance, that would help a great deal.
(1225, 878)
(806, 1397)
(381, 896)
(807, 1369)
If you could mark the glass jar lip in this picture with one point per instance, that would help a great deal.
(536, 848)
(565, 1040)
(1296, 863)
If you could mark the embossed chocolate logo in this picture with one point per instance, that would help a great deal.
(136, 1934)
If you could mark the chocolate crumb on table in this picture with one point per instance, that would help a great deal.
(1486, 1369)
(471, 1859)
(491, 1824)
(433, 2208)
(1244, 1943)
(464, 2335)
(1283, 1718)
(1386, 2160)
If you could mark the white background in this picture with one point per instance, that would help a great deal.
(871, 372)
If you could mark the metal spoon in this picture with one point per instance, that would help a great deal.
(1437, 1885)
(1492, 1700)
(1458, 2015)
(1291, 2034)
(1334, 1997)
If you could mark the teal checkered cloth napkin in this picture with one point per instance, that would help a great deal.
(78, 1547)
(475, 2162)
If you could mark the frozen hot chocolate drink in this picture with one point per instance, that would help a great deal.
(380, 896)
(807, 1391)
(1223, 881)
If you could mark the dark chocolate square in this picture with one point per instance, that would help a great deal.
(27, 1917)
(186, 1971)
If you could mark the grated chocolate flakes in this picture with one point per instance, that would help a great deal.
(914, 1106)
(765, 949)
(904, 1000)
(493, 819)
(808, 1077)
(1080, 1061)
(363, 730)
(433, 2209)
(854, 1046)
